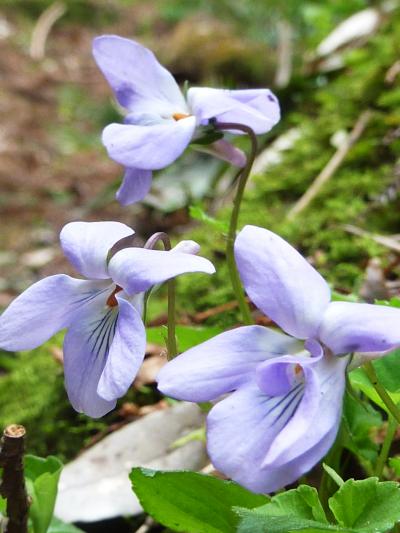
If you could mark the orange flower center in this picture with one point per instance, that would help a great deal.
(298, 370)
(179, 116)
(111, 300)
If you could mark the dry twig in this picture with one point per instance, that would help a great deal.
(393, 72)
(12, 485)
(285, 54)
(389, 242)
(146, 526)
(332, 165)
(43, 27)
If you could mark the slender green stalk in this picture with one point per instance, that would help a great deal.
(230, 257)
(385, 449)
(333, 459)
(171, 336)
(381, 391)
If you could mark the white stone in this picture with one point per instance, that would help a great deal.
(95, 486)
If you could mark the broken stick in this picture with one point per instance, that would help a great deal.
(12, 485)
(332, 165)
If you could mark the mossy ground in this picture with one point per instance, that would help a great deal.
(32, 393)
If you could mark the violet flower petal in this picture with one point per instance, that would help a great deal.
(86, 245)
(86, 347)
(352, 327)
(43, 309)
(318, 414)
(187, 247)
(126, 352)
(222, 149)
(222, 364)
(138, 269)
(135, 185)
(274, 478)
(256, 108)
(280, 282)
(265, 442)
(136, 77)
(241, 429)
(148, 147)
(276, 377)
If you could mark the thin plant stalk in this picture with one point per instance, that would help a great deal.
(333, 459)
(385, 449)
(171, 335)
(233, 223)
(381, 391)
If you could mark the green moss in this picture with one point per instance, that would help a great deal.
(32, 393)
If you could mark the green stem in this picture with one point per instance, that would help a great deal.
(385, 449)
(230, 257)
(171, 335)
(332, 459)
(381, 391)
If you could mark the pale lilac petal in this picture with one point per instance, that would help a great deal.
(138, 269)
(148, 147)
(256, 108)
(224, 150)
(140, 118)
(352, 327)
(265, 442)
(359, 358)
(135, 185)
(43, 309)
(223, 363)
(86, 348)
(277, 376)
(276, 379)
(318, 414)
(280, 282)
(86, 245)
(187, 247)
(241, 429)
(271, 478)
(126, 352)
(135, 75)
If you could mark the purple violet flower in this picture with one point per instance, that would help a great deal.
(105, 342)
(285, 392)
(160, 123)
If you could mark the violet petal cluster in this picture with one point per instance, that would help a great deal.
(285, 392)
(160, 123)
(105, 342)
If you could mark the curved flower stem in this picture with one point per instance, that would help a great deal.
(243, 176)
(381, 391)
(171, 337)
(385, 449)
